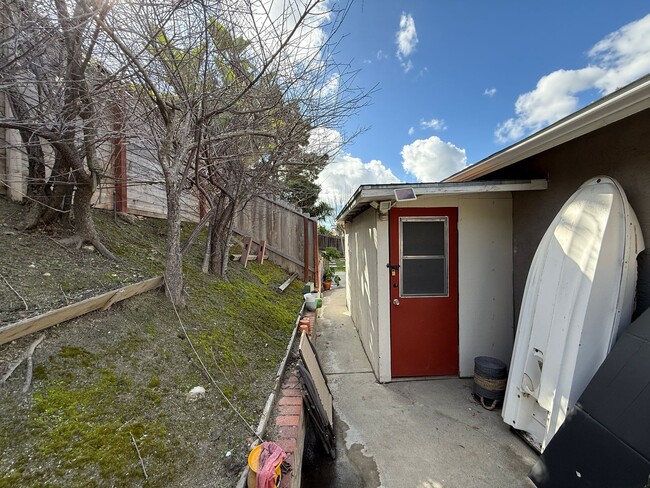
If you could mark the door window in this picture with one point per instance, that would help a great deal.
(423, 256)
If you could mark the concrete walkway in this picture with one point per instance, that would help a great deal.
(420, 434)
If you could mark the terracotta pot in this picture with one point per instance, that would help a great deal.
(327, 285)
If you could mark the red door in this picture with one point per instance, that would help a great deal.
(424, 291)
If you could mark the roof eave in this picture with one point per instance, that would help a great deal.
(366, 194)
(629, 100)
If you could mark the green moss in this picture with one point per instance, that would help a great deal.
(40, 372)
(87, 428)
(98, 388)
(77, 353)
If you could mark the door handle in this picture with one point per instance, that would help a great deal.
(396, 301)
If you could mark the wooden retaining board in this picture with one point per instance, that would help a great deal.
(34, 324)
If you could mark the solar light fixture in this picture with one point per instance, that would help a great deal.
(404, 194)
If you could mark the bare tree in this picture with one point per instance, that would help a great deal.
(218, 78)
(54, 87)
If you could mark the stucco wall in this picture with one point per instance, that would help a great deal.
(485, 318)
(361, 268)
(621, 150)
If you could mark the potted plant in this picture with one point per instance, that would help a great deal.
(329, 255)
(329, 276)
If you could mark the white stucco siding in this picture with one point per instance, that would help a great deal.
(361, 266)
(485, 279)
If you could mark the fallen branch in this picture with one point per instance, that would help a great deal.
(28, 374)
(201, 370)
(128, 218)
(60, 245)
(139, 456)
(30, 362)
(26, 355)
(67, 302)
(12, 289)
(12, 368)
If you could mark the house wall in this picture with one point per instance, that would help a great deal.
(484, 279)
(361, 275)
(620, 150)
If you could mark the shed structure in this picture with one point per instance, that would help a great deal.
(474, 221)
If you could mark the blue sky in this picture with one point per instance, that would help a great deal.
(459, 80)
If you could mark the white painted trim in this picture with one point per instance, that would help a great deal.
(383, 301)
(463, 188)
(608, 110)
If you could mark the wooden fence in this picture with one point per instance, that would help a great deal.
(330, 241)
(291, 236)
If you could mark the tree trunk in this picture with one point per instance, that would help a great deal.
(174, 267)
(220, 233)
(54, 200)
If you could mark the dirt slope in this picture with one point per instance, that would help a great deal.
(107, 376)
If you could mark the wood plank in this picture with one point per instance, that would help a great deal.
(246, 250)
(286, 284)
(251, 257)
(308, 355)
(34, 324)
(275, 251)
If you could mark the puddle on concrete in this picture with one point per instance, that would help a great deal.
(350, 468)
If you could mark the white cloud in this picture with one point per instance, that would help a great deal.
(406, 40)
(343, 175)
(381, 55)
(407, 65)
(432, 159)
(433, 124)
(268, 23)
(329, 88)
(618, 59)
(411, 131)
(324, 140)
(490, 92)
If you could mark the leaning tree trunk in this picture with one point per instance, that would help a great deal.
(85, 231)
(84, 226)
(48, 199)
(54, 200)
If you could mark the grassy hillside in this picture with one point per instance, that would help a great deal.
(107, 376)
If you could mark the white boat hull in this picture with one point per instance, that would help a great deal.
(579, 296)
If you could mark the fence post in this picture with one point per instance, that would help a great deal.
(317, 276)
(119, 155)
(306, 247)
(260, 255)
